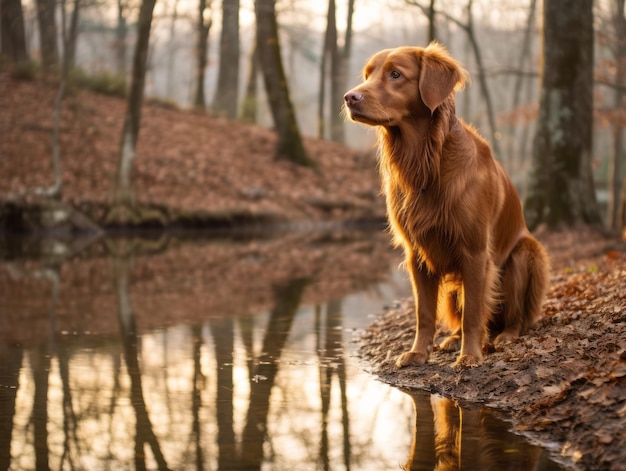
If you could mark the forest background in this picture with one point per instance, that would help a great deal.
(212, 59)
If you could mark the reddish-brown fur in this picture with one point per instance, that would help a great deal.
(473, 263)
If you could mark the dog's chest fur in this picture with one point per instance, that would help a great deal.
(426, 206)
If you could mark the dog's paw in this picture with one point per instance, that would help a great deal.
(411, 358)
(505, 338)
(467, 361)
(452, 343)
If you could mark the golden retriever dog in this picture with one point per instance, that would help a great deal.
(474, 266)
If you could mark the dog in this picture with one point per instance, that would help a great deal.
(474, 265)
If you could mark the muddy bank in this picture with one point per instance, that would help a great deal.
(564, 383)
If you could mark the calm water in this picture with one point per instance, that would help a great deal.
(217, 355)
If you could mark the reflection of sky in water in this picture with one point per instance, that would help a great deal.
(100, 431)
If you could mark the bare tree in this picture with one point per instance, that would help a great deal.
(561, 190)
(122, 197)
(225, 101)
(468, 27)
(202, 46)
(12, 33)
(290, 145)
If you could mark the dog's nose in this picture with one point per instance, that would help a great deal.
(352, 97)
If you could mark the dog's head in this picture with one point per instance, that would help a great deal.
(404, 83)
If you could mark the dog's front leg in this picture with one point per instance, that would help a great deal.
(425, 287)
(479, 279)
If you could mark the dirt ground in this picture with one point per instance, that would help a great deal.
(564, 383)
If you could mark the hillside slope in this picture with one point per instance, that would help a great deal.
(192, 166)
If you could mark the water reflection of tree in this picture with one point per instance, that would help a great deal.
(197, 386)
(10, 364)
(144, 433)
(223, 338)
(287, 299)
(330, 350)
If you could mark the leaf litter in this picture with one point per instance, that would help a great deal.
(563, 382)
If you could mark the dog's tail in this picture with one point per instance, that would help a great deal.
(538, 272)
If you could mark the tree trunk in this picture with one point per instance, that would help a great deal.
(12, 33)
(249, 106)
(519, 85)
(202, 47)
(122, 189)
(121, 32)
(561, 189)
(482, 80)
(72, 37)
(290, 145)
(225, 101)
(327, 47)
(338, 58)
(171, 50)
(617, 157)
(47, 34)
(432, 26)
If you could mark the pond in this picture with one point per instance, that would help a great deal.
(226, 353)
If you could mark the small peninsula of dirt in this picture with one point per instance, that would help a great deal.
(564, 383)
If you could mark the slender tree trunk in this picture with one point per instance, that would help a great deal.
(519, 80)
(290, 145)
(12, 33)
(72, 36)
(561, 189)
(326, 51)
(339, 59)
(202, 47)
(432, 26)
(121, 33)
(617, 158)
(122, 188)
(226, 93)
(249, 106)
(482, 80)
(339, 77)
(171, 50)
(57, 189)
(47, 34)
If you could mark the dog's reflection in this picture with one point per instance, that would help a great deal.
(447, 437)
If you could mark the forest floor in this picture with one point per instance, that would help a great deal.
(191, 169)
(564, 383)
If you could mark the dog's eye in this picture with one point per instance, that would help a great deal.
(395, 74)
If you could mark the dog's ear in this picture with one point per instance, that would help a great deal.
(440, 74)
